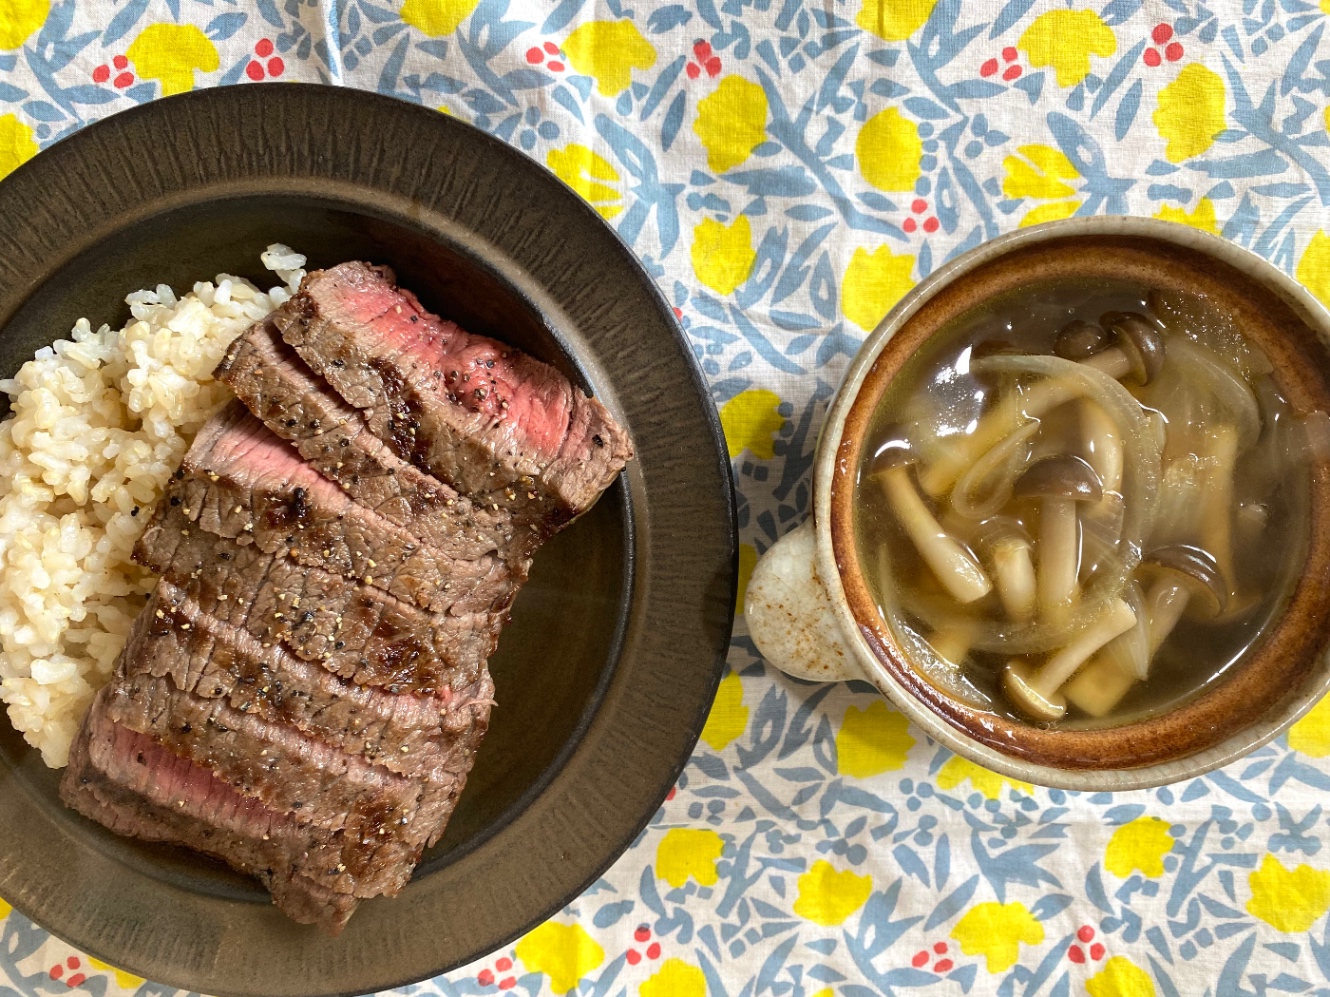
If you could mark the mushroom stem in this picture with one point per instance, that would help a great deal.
(1099, 686)
(954, 566)
(1059, 537)
(1165, 603)
(1036, 693)
(953, 644)
(1014, 410)
(1113, 361)
(1218, 451)
(1103, 445)
(1013, 569)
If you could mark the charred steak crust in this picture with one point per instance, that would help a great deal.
(410, 734)
(277, 386)
(306, 690)
(241, 482)
(355, 631)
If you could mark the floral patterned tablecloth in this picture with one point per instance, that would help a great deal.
(786, 169)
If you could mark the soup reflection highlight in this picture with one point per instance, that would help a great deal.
(1082, 503)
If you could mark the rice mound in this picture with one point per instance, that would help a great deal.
(99, 423)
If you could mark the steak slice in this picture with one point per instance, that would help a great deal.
(409, 734)
(357, 632)
(240, 481)
(496, 424)
(132, 785)
(277, 386)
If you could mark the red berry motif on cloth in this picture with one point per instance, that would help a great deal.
(704, 61)
(1085, 935)
(1162, 36)
(1012, 70)
(76, 977)
(537, 54)
(942, 965)
(257, 69)
(929, 224)
(124, 76)
(642, 935)
(501, 971)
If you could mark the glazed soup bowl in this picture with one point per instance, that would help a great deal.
(810, 605)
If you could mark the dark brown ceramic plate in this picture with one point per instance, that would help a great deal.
(607, 671)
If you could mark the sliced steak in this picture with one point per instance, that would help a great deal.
(240, 481)
(278, 387)
(414, 735)
(132, 785)
(357, 632)
(496, 424)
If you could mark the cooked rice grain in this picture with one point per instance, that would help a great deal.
(99, 422)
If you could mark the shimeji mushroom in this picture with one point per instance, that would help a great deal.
(1182, 578)
(1035, 693)
(1059, 483)
(1137, 352)
(949, 560)
(1006, 545)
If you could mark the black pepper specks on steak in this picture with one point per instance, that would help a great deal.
(305, 692)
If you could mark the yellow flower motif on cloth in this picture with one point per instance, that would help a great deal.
(995, 931)
(563, 952)
(873, 740)
(19, 19)
(588, 173)
(675, 978)
(825, 992)
(1042, 173)
(751, 420)
(828, 897)
(170, 53)
(731, 122)
(688, 853)
(1120, 977)
(1140, 844)
(1314, 273)
(894, 20)
(723, 255)
(1201, 217)
(1327, 110)
(1311, 734)
(986, 781)
(1190, 112)
(5, 909)
(889, 150)
(1065, 40)
(1291, 900)
(16, 144)
(873, 282)
(609, 51)
(747, 562)
(126, 981)
(727, 720)
(437, 17)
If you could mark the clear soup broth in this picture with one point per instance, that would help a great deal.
(1083, 502)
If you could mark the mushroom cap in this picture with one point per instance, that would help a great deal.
(1017, 683)
(997, 530)
(1194, 569)
(1079, 339)
(895, 451)
(1140, 340)
(1060, 476)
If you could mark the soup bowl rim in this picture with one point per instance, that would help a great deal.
(836, 462)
